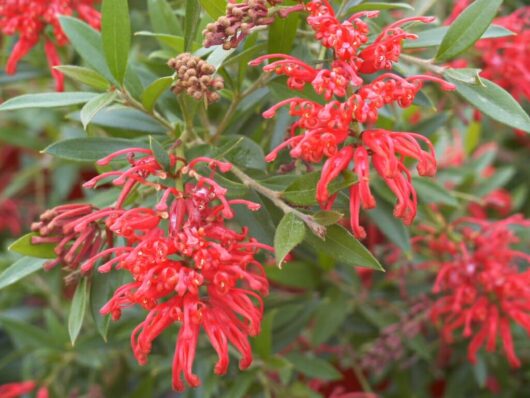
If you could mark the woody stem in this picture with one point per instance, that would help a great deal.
(275, 198)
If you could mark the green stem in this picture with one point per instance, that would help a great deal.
(424, 63)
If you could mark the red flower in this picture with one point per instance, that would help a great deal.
(29, 19)
(323, 131)
(481, 287)
(187, 265)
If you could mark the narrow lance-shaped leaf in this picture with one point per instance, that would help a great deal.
(214, 8)
(160, 153)
(85, 75)
(24, 246)
(20, 269)
(282, 34)
(290, 233)
(467, 28)
(493, 100)
(191, 23)
(46, 100)
(155, 90)
(78, 309)
(93, 106)
(116, 36)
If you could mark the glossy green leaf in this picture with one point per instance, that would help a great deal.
(175, 42)
(219, 56)
(116, 36)
(429, 191)
(24, 246)
(46, 100)
(467, 28)
(342, 246)
(155, 90)
(313, 367)
(95, 105)
(90, 149)
(494, 101)
(85, 75)
(100, 290)
(262, 344)
(125, 119)
(241, 151)
(433, 37)
(289, 234)
(191, 23)
(282, 34)
(214, 8)
(19, 270)
(87, 42)
(78, 309)
(465, 75)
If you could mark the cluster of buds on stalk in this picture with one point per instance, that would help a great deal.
(30, 20)
(480, 287)
(232, 28)
(195, 77)
(186, 264)
(332, 129)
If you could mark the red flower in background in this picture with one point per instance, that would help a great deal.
(15, 390)
(187, 265)
(480, 285)
(29, 19)
(326, 131)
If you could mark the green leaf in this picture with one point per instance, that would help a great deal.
(20, 269)
(434, 37)
(160, 153)
(78, 309)
(29, 335)
(162, 17)
(289, 234)
(90, 149)
(218, 56)
(241, 151)
(46, 100)
(214, 8)
(24, 246)
(191, 23)
(126, 119)
(154, 91)
(313, 367)
(303, 191)
(327, 217)
(282, 34)
(342, 246)
(378, 6)
(393, 229)
(116, 36)
(429, 191)
(467, 28)
(466, 75)
(87, 42)
(329, 317)
(85, 75)
(100, 289)
(295, 274)
(494, 101)
(93, 106)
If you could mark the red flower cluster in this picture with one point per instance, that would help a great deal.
(30, 18)
(506, 60)
(15, 390)
(480, 284)
(186, 264)
(10, 215)
(325, 128)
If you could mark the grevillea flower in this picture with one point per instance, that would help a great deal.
(187, 266)
(481, 288)
(331, 130)
(29, 20)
